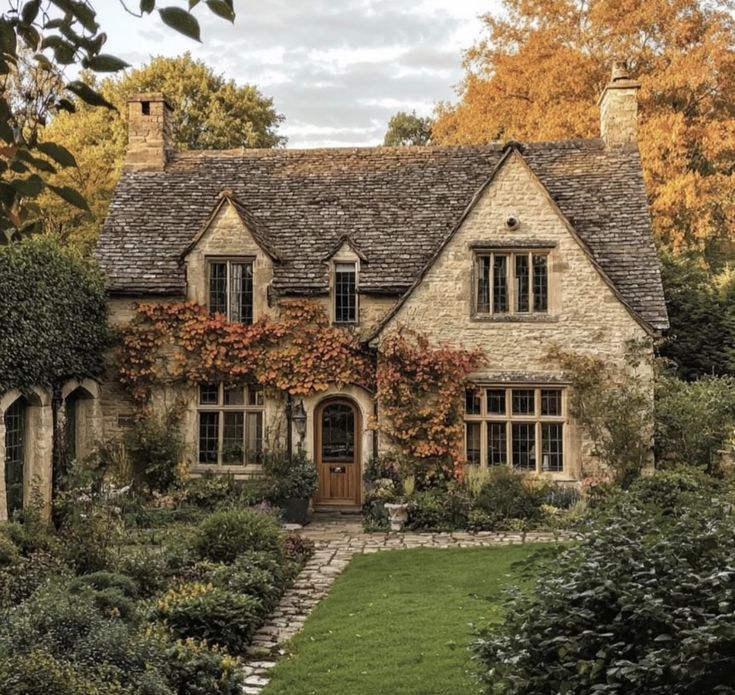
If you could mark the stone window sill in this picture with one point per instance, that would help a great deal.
(514, 318)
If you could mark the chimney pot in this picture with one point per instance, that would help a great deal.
(149, 132)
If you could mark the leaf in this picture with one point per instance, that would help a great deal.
(58, 153)
(88, 95)
(86, 15)
(70, 195)
(8, 42)
(66, 105)
(181, 21)
(30, 11)
(30, 187)
(147, 6)
(106, 63)
(221, 9)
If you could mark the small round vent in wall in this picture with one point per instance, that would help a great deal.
(512, 222)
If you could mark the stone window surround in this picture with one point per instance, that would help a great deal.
(485, 417)
(342, 259)
(228, 259)
(220, 408)
(512, 247)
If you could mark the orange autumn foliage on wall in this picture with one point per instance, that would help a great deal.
(300, 353)
(419, 388)
(421, 395)
(539, 69)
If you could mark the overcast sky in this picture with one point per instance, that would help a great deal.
(337, 69)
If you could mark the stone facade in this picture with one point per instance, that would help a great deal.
(585, 313)
(148, 132)
(619, 111)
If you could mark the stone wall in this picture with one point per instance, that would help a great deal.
(619, 114)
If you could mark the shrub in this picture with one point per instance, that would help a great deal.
(146, 566)
(112, 593)
(507, 495)
(206, 612)
(9, 553)
(672, 491)
(39, 673)
(438, 509)
(197, 669)
(225, 535)
(254, 573)
(643, 604)
(290, 477)
(30, 537)
(210, 490)
(19, 581)
(297, 549)
(155, 447)
(694, 420)
(562, 496)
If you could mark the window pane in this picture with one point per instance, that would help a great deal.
(345, 299)
(241, 292)
(338, 433)
(232, 439)
(524, 401)
(496, 444)
(14, 454)
(524, 446)
(483, 284)
(208, 436)
(496, 401)
(552, 437)
(234, 395)
(540, 284)
(254, 437)
(473, 442)
(500, 285)
(218, 288)
(522, 284)
(472, 403)
(550, 402)
(209, 394)
(255, 395)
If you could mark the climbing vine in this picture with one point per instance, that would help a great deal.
(299, 353)
(419, 388)
(421, 395)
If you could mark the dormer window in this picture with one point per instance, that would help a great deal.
(231, 289)
(345, 293)
(512, 282)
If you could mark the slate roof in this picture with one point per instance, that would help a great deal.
(396, 205)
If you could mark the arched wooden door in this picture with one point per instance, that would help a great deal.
(337, 452)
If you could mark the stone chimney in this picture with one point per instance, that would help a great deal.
(619, 109)
(149, 134)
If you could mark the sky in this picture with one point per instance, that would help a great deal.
(337, 69)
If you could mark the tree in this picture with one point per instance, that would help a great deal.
(407, 129)
(539, 70)
(56, 34)
(209, 112)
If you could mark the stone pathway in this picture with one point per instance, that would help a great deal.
(337, 538)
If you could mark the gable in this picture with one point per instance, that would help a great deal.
(585, 308)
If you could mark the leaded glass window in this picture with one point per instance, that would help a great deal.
(521, 426)
(15, 442)
(230, 424)
(231, 290)
(512, 282)
(345, 293)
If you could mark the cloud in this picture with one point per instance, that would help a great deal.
(336, 70)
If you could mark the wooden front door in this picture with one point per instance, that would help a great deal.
(337, 439)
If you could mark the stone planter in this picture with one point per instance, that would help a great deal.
(295, 510)
(397, 515)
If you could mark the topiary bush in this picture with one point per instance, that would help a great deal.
(215, 615)
(224, 535)
(642, 605)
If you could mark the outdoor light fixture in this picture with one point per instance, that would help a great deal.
(298, 416)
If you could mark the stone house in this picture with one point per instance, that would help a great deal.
(508, 248)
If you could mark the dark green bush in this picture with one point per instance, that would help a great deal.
(19, 581)
(31, 536)
(100, 581)
(440, 509)
(147, 566)
(225, 535)
(205, 612)
(642, 605)
(59, 329)
(290, 477)
(196, 669)
(113, 594)
(257, 574)
(210, 490)
(9, 553)
(672, 491)
(155, 448)
(507, 495)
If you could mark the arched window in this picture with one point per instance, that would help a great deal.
(15, 445)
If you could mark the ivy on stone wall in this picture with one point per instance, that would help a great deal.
(53, 315)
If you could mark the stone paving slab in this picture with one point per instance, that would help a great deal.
(336, 540)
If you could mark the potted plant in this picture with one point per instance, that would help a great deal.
(398, 511)
(292, 481)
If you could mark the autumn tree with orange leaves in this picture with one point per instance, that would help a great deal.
(539, 69)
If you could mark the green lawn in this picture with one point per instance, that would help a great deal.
(398, 622)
